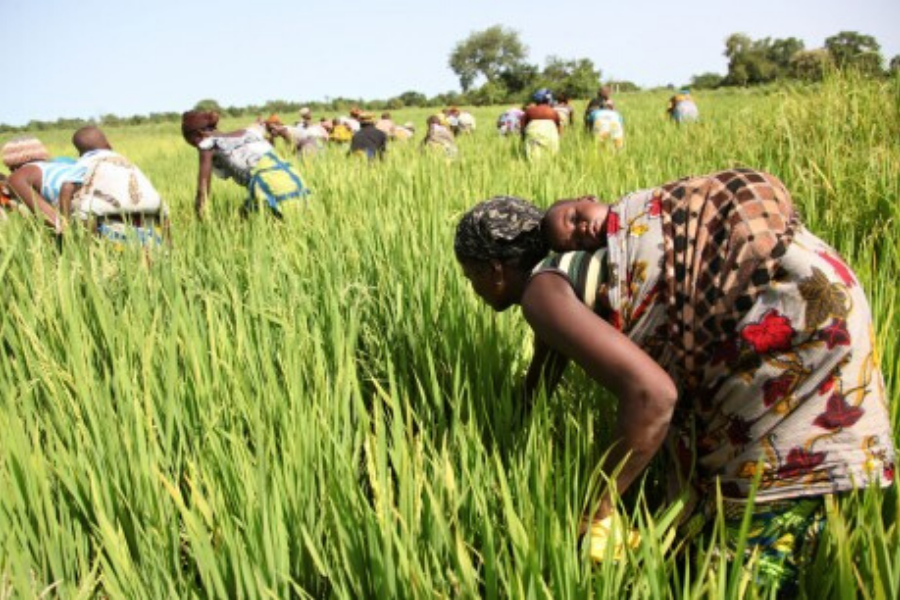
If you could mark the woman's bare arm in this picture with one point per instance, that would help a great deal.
(25, 182)
(646, 393)
(204, 174)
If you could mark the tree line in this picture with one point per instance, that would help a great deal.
(496, 59)
(766, 60)
(493, 68)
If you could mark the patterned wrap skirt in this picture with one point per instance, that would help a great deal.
(272, 182)
(771, 340)
(541, 137)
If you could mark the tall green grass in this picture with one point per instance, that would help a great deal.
(321, 407)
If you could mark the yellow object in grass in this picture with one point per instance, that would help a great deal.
(611, 530)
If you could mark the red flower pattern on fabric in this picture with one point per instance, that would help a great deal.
(826, 385)
(842, 270)
(612, 223)
(838, 414)
(835, 334)
(654, 207)
(776, 389)
(799, 462)
(888, 472)
(772, 334)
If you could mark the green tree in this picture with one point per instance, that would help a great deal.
(487, 54)
(208, 104)
(853, 50)
(752, 62)
(519, 79)
(413, 98)
(448, 99)
(574, 78)
(488, 94)
(811, 65)
(706, 81)
(738, 48)
(780, 52)
(894, 67)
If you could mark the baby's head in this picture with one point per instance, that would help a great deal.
(575, 224)
(90, 138)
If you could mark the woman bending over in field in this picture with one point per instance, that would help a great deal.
(438, 137)
(682, 108)
(116, 200)
(722, 325)
(244, 156)
(540, 126)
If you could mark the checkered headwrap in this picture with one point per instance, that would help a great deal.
(502, 228)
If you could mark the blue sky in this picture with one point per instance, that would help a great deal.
(85, 58)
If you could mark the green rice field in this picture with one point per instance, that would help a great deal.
(322, 407)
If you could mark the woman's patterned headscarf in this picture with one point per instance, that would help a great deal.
(502, 228)
(198, 120)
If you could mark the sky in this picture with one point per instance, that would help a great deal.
(87, 58)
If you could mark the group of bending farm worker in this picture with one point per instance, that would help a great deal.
(541, 122)
(365, 134)
(58, 189)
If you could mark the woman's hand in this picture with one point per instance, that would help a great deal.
(646, 393)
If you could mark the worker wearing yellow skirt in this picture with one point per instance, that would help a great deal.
(247, 158)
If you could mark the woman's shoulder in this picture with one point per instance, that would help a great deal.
(584, 271)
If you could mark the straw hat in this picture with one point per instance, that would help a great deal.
(21, 150)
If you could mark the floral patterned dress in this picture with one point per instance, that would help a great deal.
(763, 327)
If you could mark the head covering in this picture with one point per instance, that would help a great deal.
(198, 120)
(366, 118)
(23, 149)
(503, 228)
(273, 120)
(543, 96)
(305, 112)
